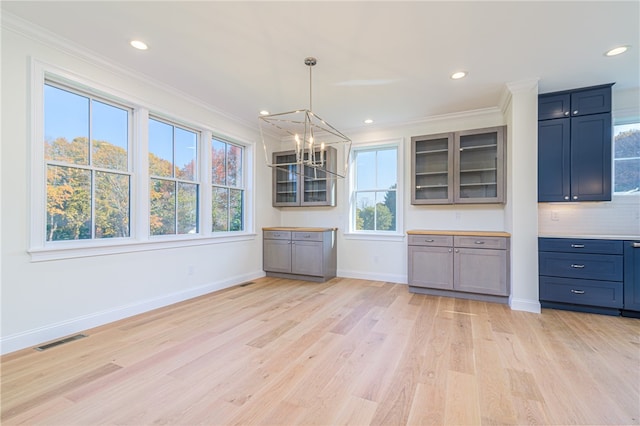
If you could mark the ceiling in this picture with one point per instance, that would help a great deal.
(388, 61)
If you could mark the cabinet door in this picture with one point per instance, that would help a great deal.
(479, 165)
(318, 185)
(554, 160)
(591, 101)
(431, 267)
(554, 106)
(286, 180)
(307, 258)
(481, 271)
(591, 158)
(632, 275)
(432, 169)
(276, 256)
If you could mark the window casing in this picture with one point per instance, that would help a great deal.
(120, 167)
(375, 199)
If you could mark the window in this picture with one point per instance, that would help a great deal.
(86, 151)
(173, 189)
(374, 182)
(626, 158)
(227, 193)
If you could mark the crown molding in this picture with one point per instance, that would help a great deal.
(40, 35)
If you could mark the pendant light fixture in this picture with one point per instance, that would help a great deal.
(306, 137)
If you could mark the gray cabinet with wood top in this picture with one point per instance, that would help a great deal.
(300, 253)
(467, 266)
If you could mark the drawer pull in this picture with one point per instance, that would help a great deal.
(577, 245)
(575, 266)
(636, 245)
(577, 291)
(429, 241)
(478, 242)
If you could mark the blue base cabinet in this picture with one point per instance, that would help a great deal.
(581, 274)
(574, 145)
(631, 306)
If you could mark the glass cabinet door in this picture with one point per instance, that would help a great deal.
(285, 185)
(479, 165)
(432, 167)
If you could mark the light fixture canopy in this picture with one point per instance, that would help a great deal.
(138, 44)
(458, 75)
(306, 136)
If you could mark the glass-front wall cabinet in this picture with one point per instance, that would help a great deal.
(296, 185)
(459, 167)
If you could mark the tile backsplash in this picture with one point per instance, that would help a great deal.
(621, 216)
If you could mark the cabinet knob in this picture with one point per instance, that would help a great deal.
(575, 112)
(575, 197)
(449, 250)
(566, 197)
(457, 251)
(566, 113)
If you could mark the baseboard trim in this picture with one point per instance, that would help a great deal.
(47, 333)
(526, 305)
(392, 278)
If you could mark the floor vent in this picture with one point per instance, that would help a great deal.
(246, 284)
(60, 342)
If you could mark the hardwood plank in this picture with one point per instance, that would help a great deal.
(346, 351)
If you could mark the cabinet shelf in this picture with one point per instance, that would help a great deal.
(493, 169)
(431, 173)
(471, 148)
(479, 184)
(431, 186)
(434, 151)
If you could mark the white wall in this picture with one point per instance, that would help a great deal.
(45, 300)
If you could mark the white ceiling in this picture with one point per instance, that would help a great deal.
(389, 61)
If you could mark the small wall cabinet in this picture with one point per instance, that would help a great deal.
(300, 253)
(473, 265)
(295, 185)
(574, 145)
(581, 274)
(460, 167)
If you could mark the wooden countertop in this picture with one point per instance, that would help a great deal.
(460, 233)
(297, 229)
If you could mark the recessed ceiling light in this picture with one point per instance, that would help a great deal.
(368, 121)
(617, 50)
(264, 112)
(140, 45)
(458, 75)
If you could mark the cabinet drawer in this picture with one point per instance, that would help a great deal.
(569, 245)
(307, 236)
(587, 266)
(431, 240)
(277, 235)
(581, 292)
(480, 242)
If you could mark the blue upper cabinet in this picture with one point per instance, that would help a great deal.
(574, 145)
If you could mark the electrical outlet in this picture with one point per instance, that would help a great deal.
(555, 216)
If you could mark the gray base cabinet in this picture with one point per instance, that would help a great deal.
(300, 253)
(466, 266)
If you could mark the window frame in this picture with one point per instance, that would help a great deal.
(614, 160)
(352, 233)
(242, 187)
(139, 238)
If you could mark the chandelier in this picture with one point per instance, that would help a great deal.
(311, 142)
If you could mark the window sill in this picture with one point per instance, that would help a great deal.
(394, 236)
(75, 249)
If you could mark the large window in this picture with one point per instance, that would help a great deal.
(86, 151)
(227, 192)
(626, 158)
(110, 176)
(173, 189)
(374, 185)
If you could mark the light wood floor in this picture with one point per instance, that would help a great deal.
(347, 351)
